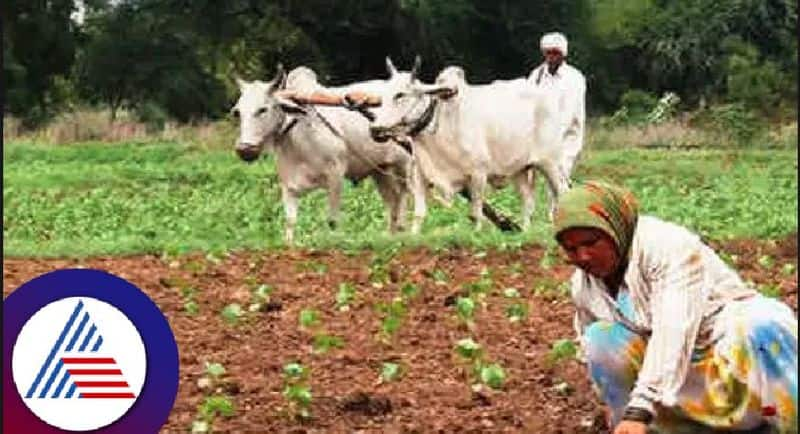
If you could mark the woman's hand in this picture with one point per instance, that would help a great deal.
(630, 427)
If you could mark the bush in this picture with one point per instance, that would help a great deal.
(638, 102)
(635, 105)
(757, 84)
(734, 121)
(153, 115)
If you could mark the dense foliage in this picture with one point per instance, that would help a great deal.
(175, 59)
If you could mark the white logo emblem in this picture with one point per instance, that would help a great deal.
(79, 364)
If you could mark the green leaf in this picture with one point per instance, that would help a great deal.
(345, 296)
(468, 349)
(465, 307)
(440, 276)
(390, 325)
(294, 371)
(563, 349)
(766, 261)
(511, 293)
(788, 269)
(215, 370)
(493, 376)
(216, 405)
(409, 290)
(232, 313)
(191, 308)
(261, 293)
(299, 394)
(390, 372)
(517, 312)
(323, 343)
(308, 318)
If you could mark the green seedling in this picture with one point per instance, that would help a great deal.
(511, 293)
(260, 297)
(215, 370)
(390, 372)
(469, 349)
(788, 269)
(481, 287)
(345, 296)
(551, 289)
(562, 349)
(324, 342)
(232, 313)
(213, 373)
(315, 267)
(465, 310)
(211, 408)
(516, 312)
(493, 376)
(440, 277)
(190, 306)
(379, 267)
(766, 261)
(409, 291)
(392, 317)
(480, 372)
(296, 390)
(309, 318)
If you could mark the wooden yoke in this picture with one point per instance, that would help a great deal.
(351, 99)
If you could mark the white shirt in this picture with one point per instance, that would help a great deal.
(677, 286)
(571, 86)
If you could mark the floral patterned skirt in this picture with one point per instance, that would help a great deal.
(747, 379)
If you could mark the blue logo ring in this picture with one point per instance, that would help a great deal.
(157, 397)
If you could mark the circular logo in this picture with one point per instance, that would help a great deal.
(79, 363)
(86, 351)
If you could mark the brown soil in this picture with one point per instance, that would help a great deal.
(433, 393)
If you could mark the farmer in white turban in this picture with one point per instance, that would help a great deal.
(570, 87)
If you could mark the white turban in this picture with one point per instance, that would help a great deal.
(554, 40)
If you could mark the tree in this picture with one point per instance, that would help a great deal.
(38, 45)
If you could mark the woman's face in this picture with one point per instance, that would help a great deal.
(592, 250)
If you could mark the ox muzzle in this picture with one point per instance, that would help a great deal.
(248, 152)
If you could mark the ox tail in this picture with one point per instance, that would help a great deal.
(503, 222)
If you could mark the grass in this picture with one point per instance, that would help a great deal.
(155, 197)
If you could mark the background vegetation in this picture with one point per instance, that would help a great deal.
(173, 60)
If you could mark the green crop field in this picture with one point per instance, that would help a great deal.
(93, 199)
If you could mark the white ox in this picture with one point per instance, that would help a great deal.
(318, 147)
(470, 136)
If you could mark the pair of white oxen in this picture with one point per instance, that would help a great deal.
(450, 137)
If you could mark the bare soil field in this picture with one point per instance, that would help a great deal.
(433, 394)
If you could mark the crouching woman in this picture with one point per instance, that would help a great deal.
(674, 340)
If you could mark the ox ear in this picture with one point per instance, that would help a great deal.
(390, 67)
(415, 68)
(279, 82)
(239, 82)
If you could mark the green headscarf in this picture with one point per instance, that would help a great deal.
(600, 205)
